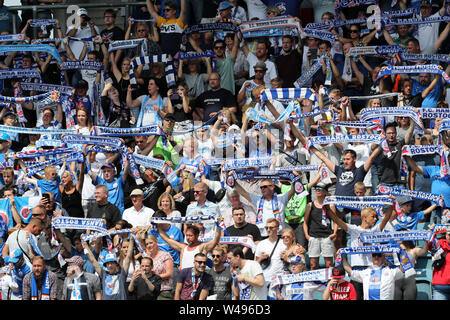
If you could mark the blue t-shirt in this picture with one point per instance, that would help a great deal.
(439, 185)
(409, 221)
(52, 186)
(19, 274)
(432, 98)
(175, 234)
(115, 191)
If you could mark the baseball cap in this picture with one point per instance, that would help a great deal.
(75, 260)
(321, 186)
(296, 259)
(224, 5)
(404, 200)
(82, 84)
(4, 137)
(108, 165)
(15, 256)
(137, 192)
(82, 11)
(9, 113)
(169, 117)
(338, 273)
(110, 257)
(261, 65)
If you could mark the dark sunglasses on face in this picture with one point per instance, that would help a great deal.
(216, 256)
(200, 262)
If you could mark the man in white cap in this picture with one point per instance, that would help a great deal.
(80, 285)
(138, 215)
(84, 29)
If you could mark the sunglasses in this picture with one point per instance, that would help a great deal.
(378, 255)
(200, 262)
(354, 31)
(143, 30)
(285, 237)
(197, 191)
(168, 9)
(260, 71)
(270, 228)
(216, 255)
(220, 47)
(263, 187)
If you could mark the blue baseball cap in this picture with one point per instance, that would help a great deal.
(296, 259)
(14, 257)
(4, 137)
(224, 5)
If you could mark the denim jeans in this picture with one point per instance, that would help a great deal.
(441, 292)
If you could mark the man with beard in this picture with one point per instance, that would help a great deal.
(40, 283)
(289, 63)
(80, 285)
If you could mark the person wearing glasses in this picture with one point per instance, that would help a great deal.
(261, 55)
(221, 275)
(170, 27)
(268, 251)
(244, 96)
(111, 32)
(194, 283)
(203, 206)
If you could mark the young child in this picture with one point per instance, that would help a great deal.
(50, 181)
(7, 179)
(409, 220)
(360, 191)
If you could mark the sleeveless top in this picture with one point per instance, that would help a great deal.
(72, 204)
(316, 228)
(188, 257)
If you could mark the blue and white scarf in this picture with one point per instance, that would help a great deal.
(195, 55)
(33, 48)
(43, 24)
(124, 44)
(126, 132)
(320, 34)
(82, 65)
(380, 237)
(79, 224)
(45, 290)
(270, 27)
(434, 113)
(406, 111)
(411, 150)
(321, 275)
(32, 86)
(305, 77)
(170, 73)
(12, 37)
(20, 73)
(418, 68)
(8, 129)
(232, 164)
(396, 191)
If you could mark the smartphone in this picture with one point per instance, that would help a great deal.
(46, 196)
(134, 86)
(175, 96)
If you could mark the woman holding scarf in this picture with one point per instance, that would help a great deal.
(116, 111)
(121, 79)
(71, 193)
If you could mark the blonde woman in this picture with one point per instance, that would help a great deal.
(166, 203)
(293, 248)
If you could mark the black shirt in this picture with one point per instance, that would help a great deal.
(248, 229)
(390, 167)
(112, 35)
(346, 179)
(109, 212)
(214, 101)
(142, 291)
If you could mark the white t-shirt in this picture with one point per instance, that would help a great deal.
(138, 218)
(427, 35)
(376, 287)
(150, 116)
(24, 243)
(268, 211)
(77, 46)
(355, 241)
(246, 291)
(271, 71)
(276, 264)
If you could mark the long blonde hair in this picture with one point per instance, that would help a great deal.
(188, 180)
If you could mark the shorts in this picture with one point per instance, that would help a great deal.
(320, 247)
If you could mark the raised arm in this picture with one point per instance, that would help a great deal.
(91, 257)
(152, 10)
(333, 216)
(172, 243)
(372, 158)
(330, 164)
(386, 217)
(413, 165)
(127, 260)
(211, 244)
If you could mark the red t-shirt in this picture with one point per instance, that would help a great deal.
(442, 276)
(343, 291)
